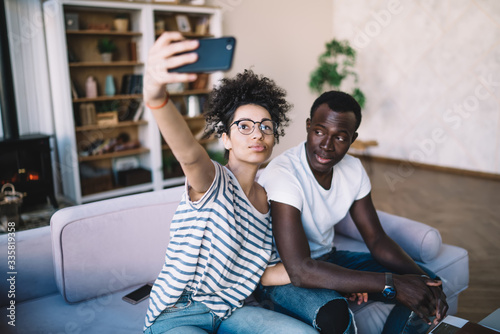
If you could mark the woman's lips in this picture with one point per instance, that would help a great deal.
(257, 148)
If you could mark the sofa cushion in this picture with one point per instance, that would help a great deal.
(34, 271)
(110, 245)
(52, 314)
(422, 242)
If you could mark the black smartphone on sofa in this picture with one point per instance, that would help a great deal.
(139, 294)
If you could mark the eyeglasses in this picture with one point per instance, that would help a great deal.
(246, 126)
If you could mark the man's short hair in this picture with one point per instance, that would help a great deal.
(338, 102)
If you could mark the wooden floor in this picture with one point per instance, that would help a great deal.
(465, 209)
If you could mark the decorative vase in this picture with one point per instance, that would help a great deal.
(90, 87)
(107, 57)
(109, 89)
(193, 106)
(120, 24)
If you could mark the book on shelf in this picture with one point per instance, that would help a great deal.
(139, 111)
(131, 84)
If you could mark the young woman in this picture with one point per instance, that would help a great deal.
(221, 238)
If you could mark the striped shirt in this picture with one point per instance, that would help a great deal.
(219, 247)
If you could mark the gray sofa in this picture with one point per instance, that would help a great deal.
(70, 278)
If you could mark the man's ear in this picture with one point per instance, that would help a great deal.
(308, 124)
(226, 141)
(354, 136)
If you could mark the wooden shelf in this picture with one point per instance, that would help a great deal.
(174, 4)
(118, 191)
(191, 35)
(103, 32)
(118, 125)
(113, 155)
(190, 92)
(108, 98)
(103, 64)
(165, 147)
(194, 118)
(195, 35)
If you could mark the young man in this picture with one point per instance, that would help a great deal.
(311, 188)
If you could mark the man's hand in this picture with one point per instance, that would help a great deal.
(360, 297)
(422, 295)
(441, 305)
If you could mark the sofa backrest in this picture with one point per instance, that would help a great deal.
(422, 242)
(106, 246)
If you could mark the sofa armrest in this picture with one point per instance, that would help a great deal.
(33, 272)
(422, 242)
(106, 246)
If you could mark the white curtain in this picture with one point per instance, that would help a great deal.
(29, 66)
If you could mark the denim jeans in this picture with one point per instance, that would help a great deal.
(304, 304)
(192, 317)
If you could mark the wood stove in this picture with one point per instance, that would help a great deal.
(26, 163)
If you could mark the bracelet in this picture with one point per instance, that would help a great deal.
(160, 106)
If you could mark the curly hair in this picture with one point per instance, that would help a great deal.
(246, 88)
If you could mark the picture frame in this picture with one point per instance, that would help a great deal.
(183, 23)
(71, 21)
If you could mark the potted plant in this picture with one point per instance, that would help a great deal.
(336, 65)
(120, 22)
(106, 48)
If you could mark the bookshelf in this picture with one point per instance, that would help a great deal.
(97, 132)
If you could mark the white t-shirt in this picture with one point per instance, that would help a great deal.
(288, 179)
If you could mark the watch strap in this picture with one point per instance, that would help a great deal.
(388, 280)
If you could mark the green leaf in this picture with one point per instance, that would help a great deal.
(335, 65)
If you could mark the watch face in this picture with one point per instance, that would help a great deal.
(389, 292)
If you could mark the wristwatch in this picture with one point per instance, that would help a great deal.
(389, 291)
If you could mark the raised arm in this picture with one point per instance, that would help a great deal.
(192, 157)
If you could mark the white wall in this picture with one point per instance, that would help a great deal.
(431, 73)
(280, 39)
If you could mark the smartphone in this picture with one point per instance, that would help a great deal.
(139, 294)
(214, 54)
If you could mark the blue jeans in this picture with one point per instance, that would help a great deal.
(304, 304)
(191, 317)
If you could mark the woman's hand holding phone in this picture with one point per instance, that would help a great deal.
(169, 51)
